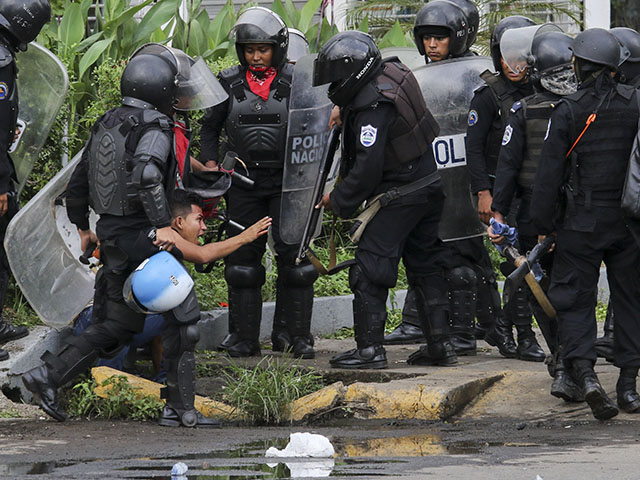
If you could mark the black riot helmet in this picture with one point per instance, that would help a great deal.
(346, 62)
(515, 21)
(261, 25)
(167, 79)
(630, 67)
(442, 17)
(552, 63)
(597, 46)
(473, 19)
(24, 19)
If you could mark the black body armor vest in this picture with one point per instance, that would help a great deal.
(256, 128)
(414, 128)
(111, 152)
(537, 110)
(505, 95)
(600, 159)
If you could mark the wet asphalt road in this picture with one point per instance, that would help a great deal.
(489, 449)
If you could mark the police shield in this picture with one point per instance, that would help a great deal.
(43, 247)
(448, 87)
(42, 86)
(307, 134)
(410, 56)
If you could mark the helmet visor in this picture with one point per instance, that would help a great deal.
(261, 22)
(199, 88)
(329, 71)
(298, 47)
(515, 45)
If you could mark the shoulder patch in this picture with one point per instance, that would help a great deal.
(507, 135)
(516, 106)
(4, 90)
(368, 134)
(473, 118)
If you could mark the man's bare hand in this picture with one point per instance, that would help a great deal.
(484, 206)
(325, 202)
(335, 119)
(211, 164)
(261, 227)
(16, 134)
(4, 204)
(166, 238)
(542, 237)
(497, 239)
(87, 237)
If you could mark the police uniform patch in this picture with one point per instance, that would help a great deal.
(368, 135)
(516, 106)
(507, 135)
(546, 135)
(473, 118)
(4, 90)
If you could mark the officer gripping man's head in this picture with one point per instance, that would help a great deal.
(446, 29)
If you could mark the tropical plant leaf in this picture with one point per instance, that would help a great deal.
(278, 8)
(306, 14)
(92, 54)
(394, 37)
(158, 15)
(71, 28)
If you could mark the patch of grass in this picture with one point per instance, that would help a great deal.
(10, 413)
(601, 311)
(124, 401)
(264, 393)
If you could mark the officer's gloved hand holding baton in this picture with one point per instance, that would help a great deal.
(228, 165)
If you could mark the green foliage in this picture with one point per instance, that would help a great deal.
(10, 413)
(601, 311)
(123, 401)
(316, 33)
(264, 393)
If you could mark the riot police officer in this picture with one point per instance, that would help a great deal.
(553, 78)
(126, 175)
(585, 156)
(381, 103)
(20, 23)
(255, 121)
(628, 73)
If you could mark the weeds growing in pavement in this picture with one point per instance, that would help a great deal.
(123, 401)
(264, 393)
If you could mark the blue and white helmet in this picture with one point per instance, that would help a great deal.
(158, 285)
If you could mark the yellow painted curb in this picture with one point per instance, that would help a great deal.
(206, 406)
(316, 402)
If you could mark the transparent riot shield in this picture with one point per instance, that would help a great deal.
(43, 248)
(448, 88)
(410, 56)
(42, 87)
(307, 134)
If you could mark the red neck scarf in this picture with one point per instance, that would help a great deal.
(260, 80)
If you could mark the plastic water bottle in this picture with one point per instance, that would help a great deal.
(179, 470)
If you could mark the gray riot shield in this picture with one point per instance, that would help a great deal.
(307, 134)
(410, 56)
(43, 247)
(42, 87)
(448, 88)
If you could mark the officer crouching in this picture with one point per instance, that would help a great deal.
(387, 132)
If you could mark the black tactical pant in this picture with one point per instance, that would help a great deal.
(585, 241)
(5, 270)
(407, 232)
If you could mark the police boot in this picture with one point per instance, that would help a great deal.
(501, 336)
(369, 333)
(488, 305)
(462, 305)
(8, 332)
(439, 350)
(43, 381)
(628, 398)
(604, 344)
(563, 385)
(296, 297)
(179, 394)
(520, 313)
(245, 312)
(410, 330)
(601, 405)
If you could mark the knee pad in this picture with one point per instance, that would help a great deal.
(245, 276)
(189, 336)
(299, 275)
(372, 296)
(189, 310)
(461, 278)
